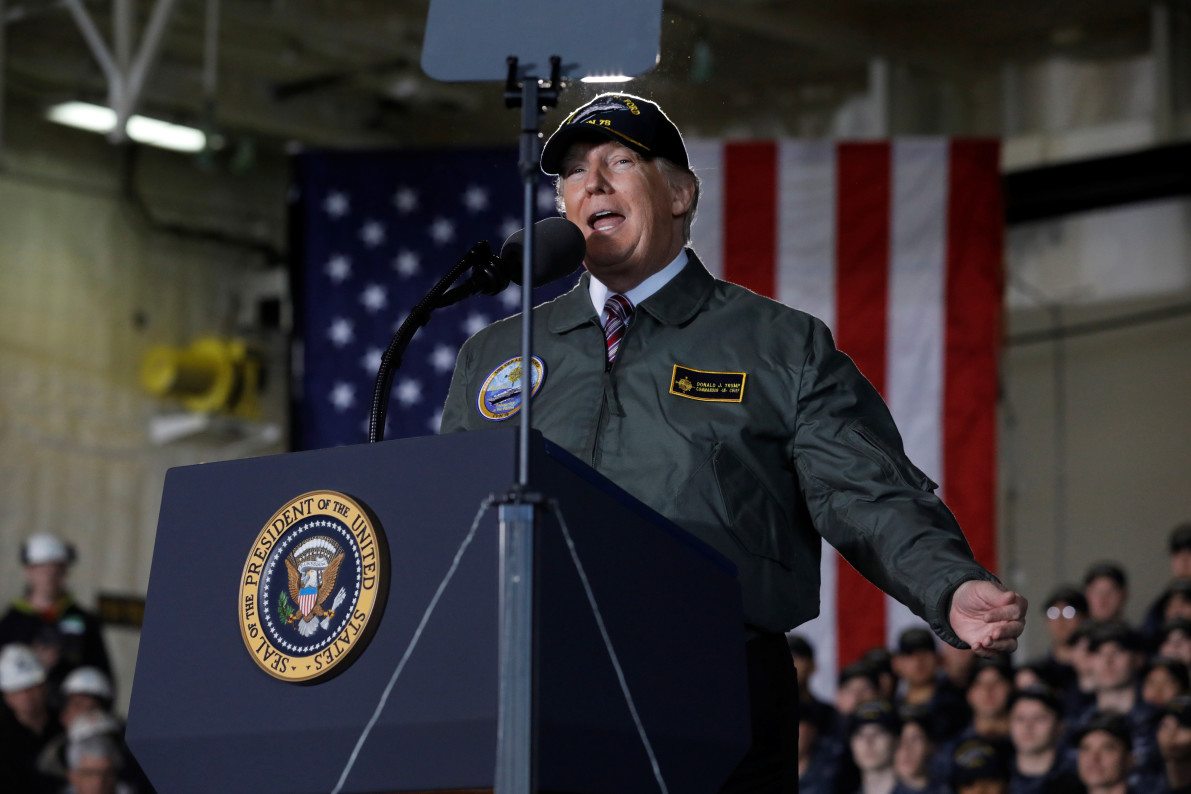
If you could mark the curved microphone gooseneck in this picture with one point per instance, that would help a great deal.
(559, 250)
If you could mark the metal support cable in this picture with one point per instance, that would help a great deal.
(409, 649)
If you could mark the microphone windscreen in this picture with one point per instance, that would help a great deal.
(559, 250)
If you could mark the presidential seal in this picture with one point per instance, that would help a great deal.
(500, 396)
(313, 587)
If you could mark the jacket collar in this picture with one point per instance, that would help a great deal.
(673, 304)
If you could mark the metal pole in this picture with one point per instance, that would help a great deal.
(515, 716)
(528, 164)
(95, 42)
(146, 54)
(1161, 51)
(122, 16)
(514, 726)
(3, 64)
(211, 51)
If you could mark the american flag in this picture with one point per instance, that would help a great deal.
(375, 231)
(896, 245)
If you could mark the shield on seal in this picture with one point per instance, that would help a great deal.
(306, 598)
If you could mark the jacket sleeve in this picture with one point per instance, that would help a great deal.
(454, 411)
(866, 498)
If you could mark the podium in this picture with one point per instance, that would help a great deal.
(204, 717)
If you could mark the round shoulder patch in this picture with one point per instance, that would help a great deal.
(313, 587)
(500, 396)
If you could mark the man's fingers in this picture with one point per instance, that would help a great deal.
(1000, 638)
(1013, 612)
(995, 647)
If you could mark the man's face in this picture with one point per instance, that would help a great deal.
(957, 663)
(1083, 660)
(46, 579)
(629, 213)
(804, 666)
(1105, 598)
(1177, 645)
(917, 668)
(1103, 759)
(1159, 687)
(1180, 564)
(913, 751)
(1114, 667)
(872, 748)
(27, 705)
(852, 693)
(1179, 606)
(1174, 740)
(808, 734)
(94, 775)
(1026, 677)
(1061, 620)
(984, 787)
(988, 693)
(76, 705)
(1033, 728)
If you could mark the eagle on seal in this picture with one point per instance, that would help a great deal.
(305, 583)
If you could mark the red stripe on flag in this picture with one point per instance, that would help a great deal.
(973, 336)
(750, 215)
(862, 306)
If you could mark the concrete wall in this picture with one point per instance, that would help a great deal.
(1095, 444)
(87, 283)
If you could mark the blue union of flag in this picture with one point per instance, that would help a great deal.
(306, 598)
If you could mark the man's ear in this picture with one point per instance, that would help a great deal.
(682, 193)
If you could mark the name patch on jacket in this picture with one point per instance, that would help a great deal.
(716, 387)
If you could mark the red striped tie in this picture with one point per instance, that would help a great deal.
(620, 314)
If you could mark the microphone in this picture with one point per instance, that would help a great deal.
(559, 251)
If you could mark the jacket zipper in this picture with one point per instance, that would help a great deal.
(604, 411)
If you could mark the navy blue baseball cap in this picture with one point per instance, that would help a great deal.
(636, 122)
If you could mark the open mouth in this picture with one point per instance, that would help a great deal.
(605, 220)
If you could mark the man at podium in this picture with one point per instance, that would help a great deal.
(732, 415)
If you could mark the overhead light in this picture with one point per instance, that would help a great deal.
(142, 129)
(605, 78)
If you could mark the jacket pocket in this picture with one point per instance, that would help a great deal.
(895, 464)
(754, 516)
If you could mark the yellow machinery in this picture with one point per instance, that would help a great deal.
(210, 376)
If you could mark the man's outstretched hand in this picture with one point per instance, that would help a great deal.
(987, 616)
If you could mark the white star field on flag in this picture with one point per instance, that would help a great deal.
(406, 264)
(338, 268)
(376, 231)
(372, 233)
(374, 297)
(336, 204)
(442, 230)
(340, 332)
(443, 358)
(475, 199)
(406, 200)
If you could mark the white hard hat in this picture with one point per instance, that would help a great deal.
(88, 681)
(46, 548)
(19, 668)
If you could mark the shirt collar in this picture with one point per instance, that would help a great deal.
(673, 303)
(641, 292)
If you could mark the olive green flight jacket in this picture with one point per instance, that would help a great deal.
(737, 418)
